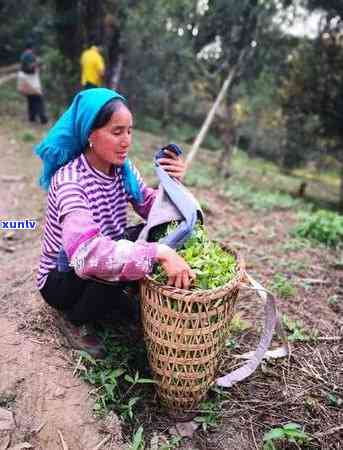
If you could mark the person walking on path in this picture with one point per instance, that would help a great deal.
(90, 259)
(92, 66)
(29, 67)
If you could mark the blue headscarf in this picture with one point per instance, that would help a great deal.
(68, 138)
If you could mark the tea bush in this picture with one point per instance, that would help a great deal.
(260, 200)
(322, 226)
(290, 433)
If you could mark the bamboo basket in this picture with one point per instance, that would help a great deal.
(185, 333)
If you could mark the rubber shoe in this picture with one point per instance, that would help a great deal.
(82, 337)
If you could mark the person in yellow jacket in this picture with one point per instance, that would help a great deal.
(92, 66)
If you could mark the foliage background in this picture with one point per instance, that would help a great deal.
(285, 100)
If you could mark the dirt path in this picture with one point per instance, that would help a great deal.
(36, 372)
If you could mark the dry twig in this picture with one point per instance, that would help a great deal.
(63, 442)
(253, 435)
(103, 442)
(77, 366)
(328, 432)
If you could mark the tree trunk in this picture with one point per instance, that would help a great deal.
(113, 49)
(206, 125)
(114, 74)
(252, 149)
(92, 19)
(341, 191)
(302, 189)
(68, 30)
(165, 110)
(228, 130)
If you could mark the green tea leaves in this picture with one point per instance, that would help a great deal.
(212, 265)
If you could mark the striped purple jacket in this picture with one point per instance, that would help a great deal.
(86, 214)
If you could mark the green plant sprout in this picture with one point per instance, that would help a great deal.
(290, 433)
(117, 382)
(209, 416)
(322, 226)
(283, 287)
(171, 443)
(138, 440)
(297, 331)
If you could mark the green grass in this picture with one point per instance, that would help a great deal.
(283, 287)
(290, 433)
(322, 188)
(260, 199)
(297, 332)
(329, 177)
(11, 102)
(122, 381)
(322, 226)
(201, 175)
(137, 440)
(295, 244)
(28, 136)
(293, 266)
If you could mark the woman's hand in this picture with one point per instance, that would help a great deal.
(174, 165)
(178, 271)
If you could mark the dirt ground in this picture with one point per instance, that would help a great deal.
(51, 407)
(49, 404)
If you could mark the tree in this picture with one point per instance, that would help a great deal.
(158, 63)
(313, 90)
(16, 28)
(243, 32)
(69, 39)
(74, 24)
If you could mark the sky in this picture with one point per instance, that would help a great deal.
(305, 24)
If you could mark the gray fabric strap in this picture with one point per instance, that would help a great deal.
(271, 322)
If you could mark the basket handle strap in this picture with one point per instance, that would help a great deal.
(271, 322)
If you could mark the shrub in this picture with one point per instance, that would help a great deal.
(289, 433)
(149, 124)
(259, 199)
(27, 136)
(56, 70)
(322, 226)
(283, 287)
(11, 102)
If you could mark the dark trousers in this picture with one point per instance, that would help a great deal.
(36, 108)
(88, 300)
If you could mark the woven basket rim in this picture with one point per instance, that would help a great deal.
(236, 280)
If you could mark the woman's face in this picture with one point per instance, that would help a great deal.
(111, 143)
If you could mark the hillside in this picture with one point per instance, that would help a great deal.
(252, 212)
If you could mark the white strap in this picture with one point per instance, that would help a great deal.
(271, 322)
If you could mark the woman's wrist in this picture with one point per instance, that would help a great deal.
(162, 252)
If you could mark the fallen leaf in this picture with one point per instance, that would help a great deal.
(184, 429)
